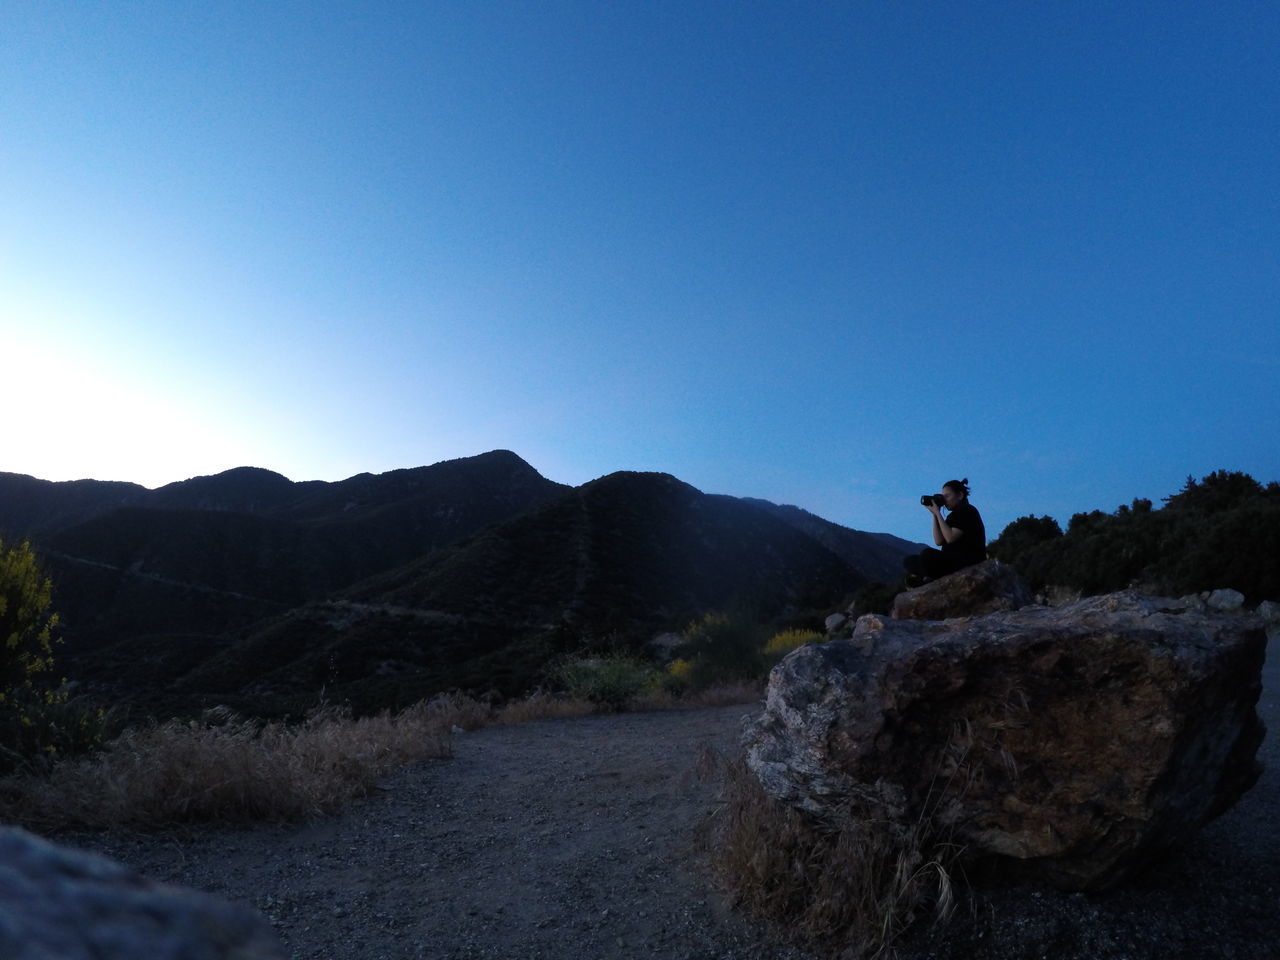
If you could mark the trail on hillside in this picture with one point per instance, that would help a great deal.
(577, 838)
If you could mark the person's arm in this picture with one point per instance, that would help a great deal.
(943, 532)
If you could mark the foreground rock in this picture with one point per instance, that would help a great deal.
(986, 587)
(61, 903)
(1066, 745)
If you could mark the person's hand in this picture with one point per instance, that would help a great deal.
(934, 509)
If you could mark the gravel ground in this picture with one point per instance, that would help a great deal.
(577, 837)
(550, 838)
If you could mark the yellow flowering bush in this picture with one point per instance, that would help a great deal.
(678, 677)
(26, 625)
(780, 644)
(37, 721)
(721, 648)
(788, 640)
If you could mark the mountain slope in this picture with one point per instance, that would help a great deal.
(877, 556)
(608, 563)
(249, 543)
(246, 587)
(32, 508)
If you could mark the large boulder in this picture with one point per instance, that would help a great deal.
(65, 903)
(985, 587)
(1063, 745)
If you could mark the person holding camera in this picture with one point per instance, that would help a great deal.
(960, 535)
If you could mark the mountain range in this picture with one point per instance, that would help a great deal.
(249, 589)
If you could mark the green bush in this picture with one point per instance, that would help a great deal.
(723, 648)
(875, 596)
(37, 721)
(609, 680)
(26, 623)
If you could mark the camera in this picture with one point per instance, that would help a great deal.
(934, 498)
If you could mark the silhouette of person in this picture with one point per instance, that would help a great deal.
(960, 536)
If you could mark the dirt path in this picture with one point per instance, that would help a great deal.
(562, 837)
(577, 838)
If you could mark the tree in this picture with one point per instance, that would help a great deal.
(1219, 491)
(1021, 535)
(26, 623)
(38, 722)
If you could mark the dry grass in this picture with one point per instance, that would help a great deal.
(543, 708)
(850, 892)
(237, 771)
(461, 711)
(232, 770)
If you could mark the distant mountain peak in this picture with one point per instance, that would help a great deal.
(258, 474)
(649, 478)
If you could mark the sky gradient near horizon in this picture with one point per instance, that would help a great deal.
(828, 254)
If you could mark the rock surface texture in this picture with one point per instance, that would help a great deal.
(63, 903)
(1063, 745)
(986, 587)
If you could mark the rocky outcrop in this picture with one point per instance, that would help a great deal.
(1064, 745)
(1221, 601)
(970, 592)
(63, 903)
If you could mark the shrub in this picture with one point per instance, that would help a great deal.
(26, 623)
(37, 721)
(610, 681)
(679, 676)
(875, 597)
(780, 644)
(853, 889)
(38, 728)
(723, 649)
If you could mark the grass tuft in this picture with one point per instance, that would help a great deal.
(851, 891)
(237, 771)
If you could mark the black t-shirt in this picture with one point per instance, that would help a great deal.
(972, 547)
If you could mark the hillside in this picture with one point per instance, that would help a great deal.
(877, 556)
(216, 553)
(385, 588)
(32, 508)
(604, 566)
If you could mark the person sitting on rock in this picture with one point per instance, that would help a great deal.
(960, 535)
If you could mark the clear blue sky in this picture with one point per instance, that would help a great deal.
(829, 254)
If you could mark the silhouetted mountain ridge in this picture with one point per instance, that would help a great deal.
(470, 572)
(30, 507)
(609, 562)
(239, 490)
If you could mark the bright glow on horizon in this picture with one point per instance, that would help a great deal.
(80, 422)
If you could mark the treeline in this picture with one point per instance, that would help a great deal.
(1222, 531)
